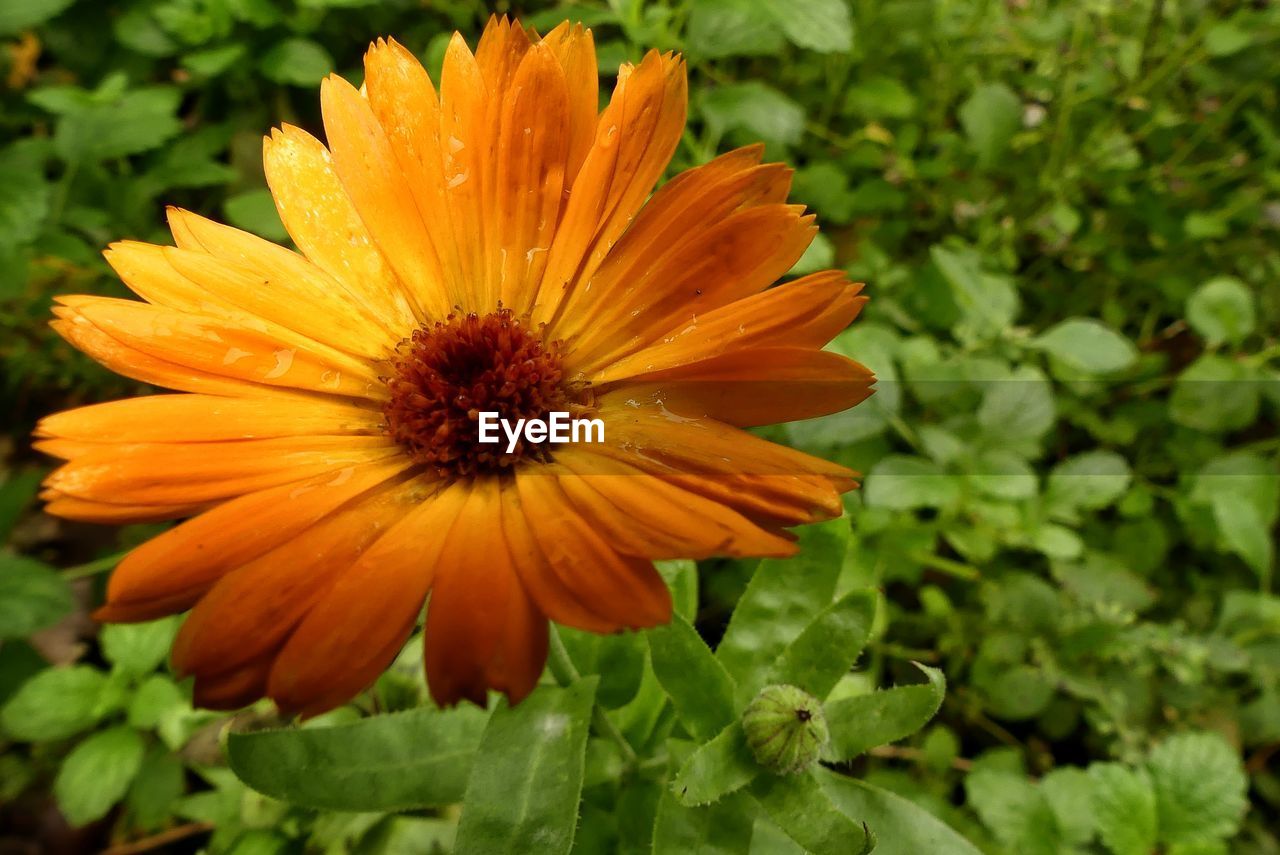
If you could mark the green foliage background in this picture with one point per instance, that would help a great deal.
(1068, 217)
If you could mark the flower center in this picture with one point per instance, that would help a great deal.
(448, 373)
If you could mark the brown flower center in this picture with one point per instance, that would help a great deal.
(448, 373)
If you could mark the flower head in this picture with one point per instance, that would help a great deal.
(488, 246)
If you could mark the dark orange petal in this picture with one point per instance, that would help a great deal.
(173, 473)
(356, 629)
(253, 609)
(622, 590)
(483, 631)
(635, 138)
(171, 571)
(757, 386)
(575, 50)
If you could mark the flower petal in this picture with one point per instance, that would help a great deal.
(805, 313)
(271, 282)
(575, 50)
(177, 473)
(483, 631)
(635, 138)
(324, 224)
(625, 592)
(206, 418)
(251, 610)
(378, 187)
(356, 629)
(255, 359)
(171, 571)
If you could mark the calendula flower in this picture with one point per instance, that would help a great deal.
(486, 248)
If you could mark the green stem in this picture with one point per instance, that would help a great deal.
(563, 670)
(93, 568)
(946, 565)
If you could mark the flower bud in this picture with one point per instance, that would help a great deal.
(785, 729)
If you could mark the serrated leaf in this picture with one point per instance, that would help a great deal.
(799, 806)
(1215, 395)
(988, 301)
(779, 602)
(97, 774)
(716, 768)
(901, 827)
(902, 483)
(526, 781)
(860, 723)
(1019, 408)
(720, 28)
(139, 648)
(760, 111)
(32, 596)
(990, 117)
(699, 686)
(1015, 812)
(1200, 786)
(55, 704)
(723, 828)
(390, 762)
(1091, 480)
(1244, 532)
(1222, 311)
(297, 62)
(19, 15)
(821, 25)
(1124, 805)
(827, 648)
(1087, 346)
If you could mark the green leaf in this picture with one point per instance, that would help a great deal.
(156, 698)
(681, 577)
(160, 782)
(1200, 788)
(255, 211)
(1214, 395)
(19, 15)
(1087, 346)
(139, 648)
(1244, 532)
(902, 483)
(988, 301)
(97, 774)
(524, 787)
(699, 686)
(617, 659)
(1019, 408)
(990, 117)
(723, 828)
(1069, 792)
(901, 827)
(55, 704)
(32, 596)
(1222, 311)
(296, 62)
(827, 648)
(1226, 38)
(821, 25)
(391, 762)
(24, 207)
(109, 127)
(800, 806)
(1003, 474)
(1017, 813)
(720, 28)
(862, 722)
(1124, 805)
(1092, 480)
(717, 768)
(760, 111)
(779, 602)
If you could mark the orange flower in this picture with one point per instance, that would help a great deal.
(487, 248)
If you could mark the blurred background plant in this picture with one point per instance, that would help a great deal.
(1068, 214)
